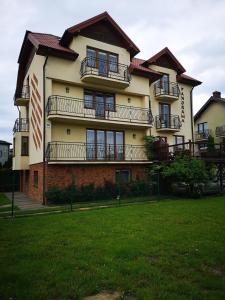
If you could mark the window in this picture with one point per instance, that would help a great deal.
(122, 176)
(99, 101)
(103, 60)
(91, 57)
(179, 139)
(36, 178)
(202, 127)
(105, 144)
(24, 145)
(113, 63)
(88, 99)
(0, 153)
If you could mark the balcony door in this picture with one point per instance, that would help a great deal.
(164, 111)
(105, 145)
(165, 84)
(99, 106)
(102, 64)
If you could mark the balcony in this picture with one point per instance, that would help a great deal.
(167, 123)
(168, 91)
(21, 98)
(203, 136)
(21, 125)
(103, 72)
(60, 107)
(220, 131)
(100, 153)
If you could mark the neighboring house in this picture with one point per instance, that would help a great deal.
(4, 152)
(86, 104)
(210, 120)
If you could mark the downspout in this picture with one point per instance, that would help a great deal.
(192, 119)
(44, 167)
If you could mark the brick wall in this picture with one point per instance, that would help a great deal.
(63, 175)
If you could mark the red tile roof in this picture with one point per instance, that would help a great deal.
(166, 51)
(136, 67)
(47, 40)
(183, 78)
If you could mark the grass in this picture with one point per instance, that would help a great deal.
(171, 250)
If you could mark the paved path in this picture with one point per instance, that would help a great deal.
(23, 202)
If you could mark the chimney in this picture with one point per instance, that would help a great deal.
(217, 94)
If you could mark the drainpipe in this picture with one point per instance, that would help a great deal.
(44, 163)
(192, 119)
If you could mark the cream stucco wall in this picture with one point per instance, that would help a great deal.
(19, 162)
(214, 115)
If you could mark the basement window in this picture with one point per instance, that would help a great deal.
(122, 176)
(35, 178)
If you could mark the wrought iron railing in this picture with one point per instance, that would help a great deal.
(21, 125)
(163, 88)
(73, 151)
(104, 68)
(215, 152)
(220, 131)
(23, 94)
(165, 121)
(80, 108)
(203, 135)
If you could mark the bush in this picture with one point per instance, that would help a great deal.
(139, 188)
(91, 193)
(55, 196)
(87, 192)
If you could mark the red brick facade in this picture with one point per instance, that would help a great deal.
(63, 175)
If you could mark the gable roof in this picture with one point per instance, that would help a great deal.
(45, 44)
(136, 67)
(77, 29)
(213, 99)
(155, 59)
(183, 78)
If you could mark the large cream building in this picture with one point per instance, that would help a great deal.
(86, 103)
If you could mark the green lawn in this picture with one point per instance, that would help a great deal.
(170, 250)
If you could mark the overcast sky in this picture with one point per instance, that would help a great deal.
(194, 30)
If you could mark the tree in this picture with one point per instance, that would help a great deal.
(189, 170)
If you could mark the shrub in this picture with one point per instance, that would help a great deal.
(91, 193)
(55, 196)
(87, 192)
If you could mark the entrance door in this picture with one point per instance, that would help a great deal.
(102, 64)
(99, 106)
(164, 111)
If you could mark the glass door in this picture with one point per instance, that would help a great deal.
(164, 110)
(90, 148)
(165, 84)
(100, 144)
(110, 146)
(119, 146)
(102, 64)
(99, 106)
